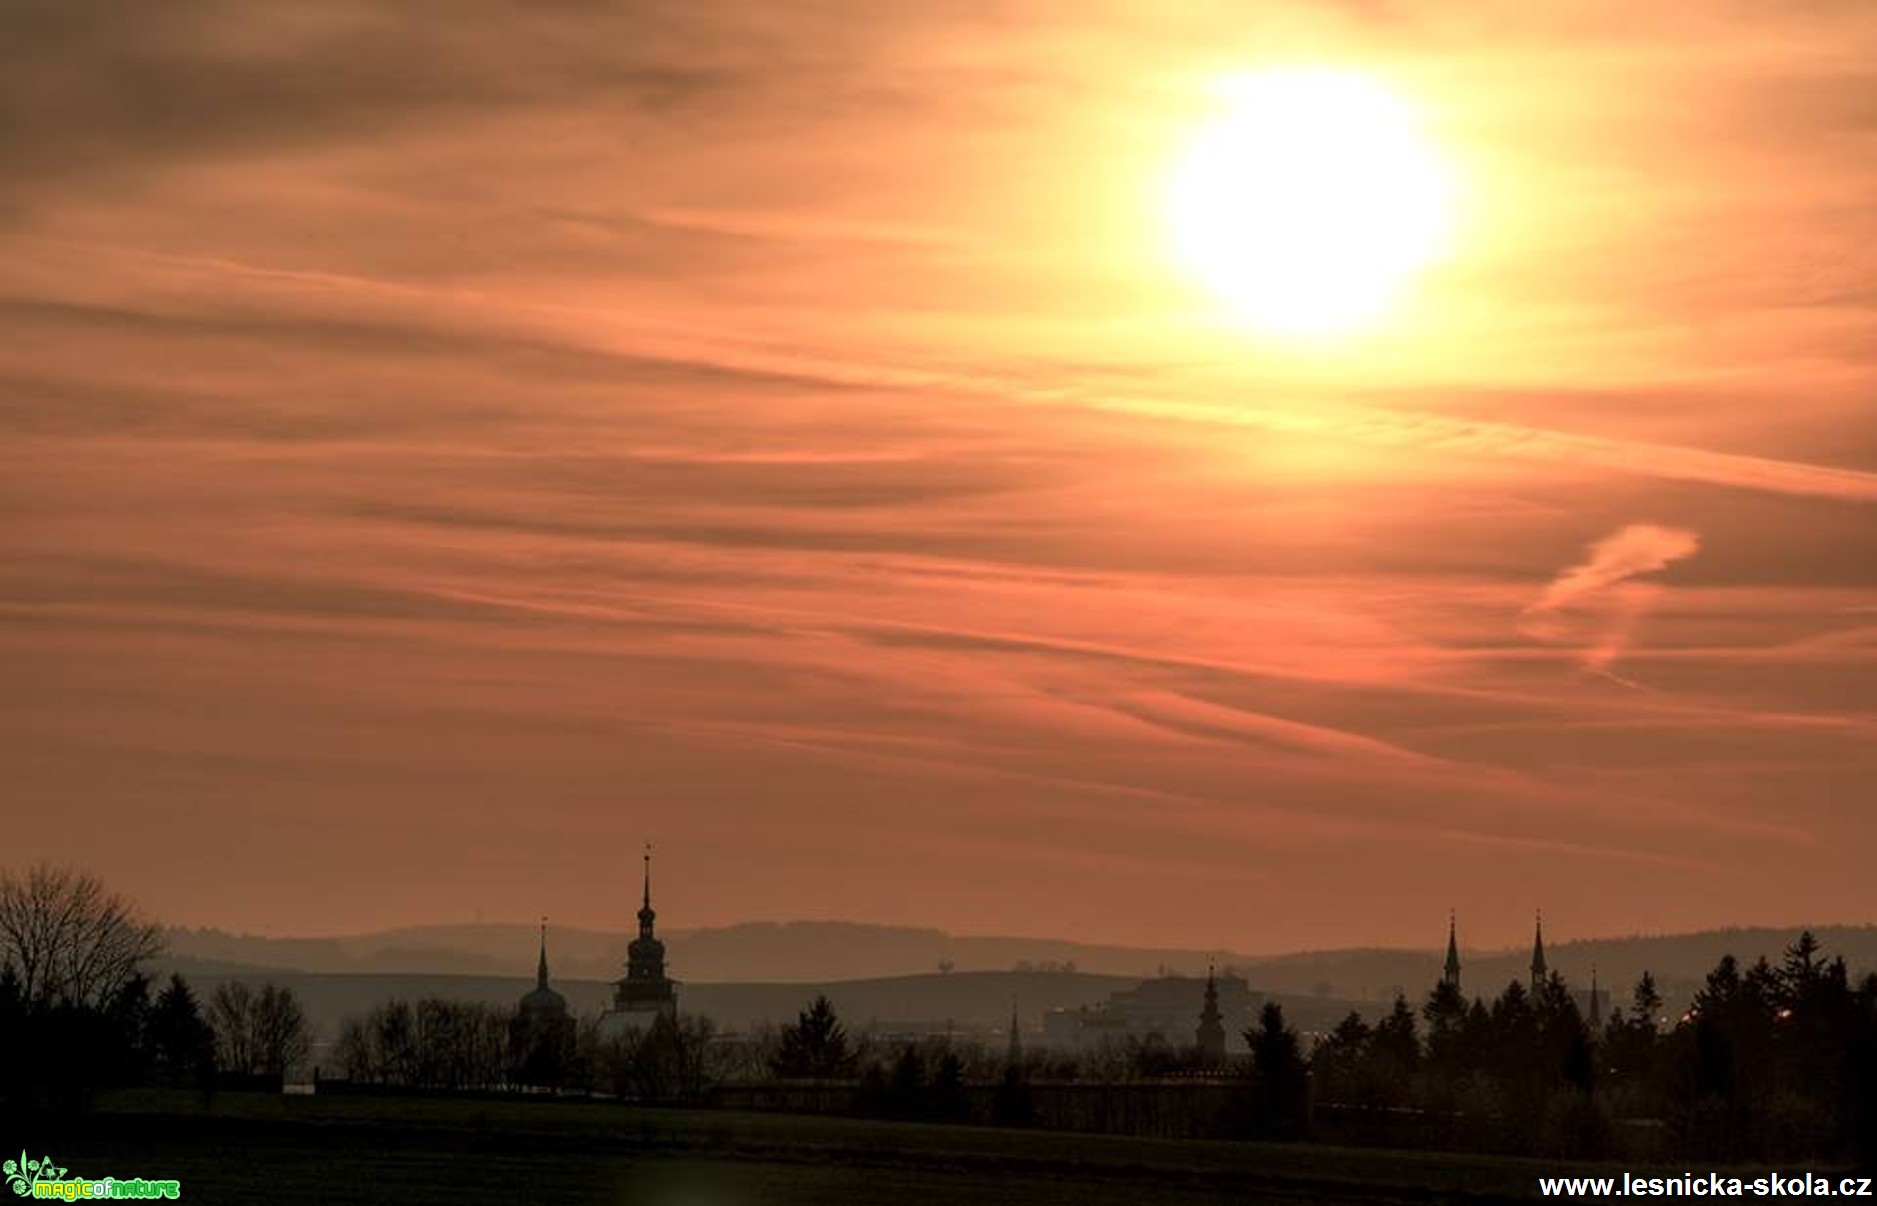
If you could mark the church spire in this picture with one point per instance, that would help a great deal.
(540, 970)
(1209, 1036)
(1539, 970)
(646, 915)
(646, 989)
(1013, 1058)
(1596, 1006)
(1451, 976)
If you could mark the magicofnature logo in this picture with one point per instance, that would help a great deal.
(45, 1180)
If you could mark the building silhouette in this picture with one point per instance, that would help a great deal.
(1209, 1035)
(541, 1034)
(646, 992)
(1164, 1007)
(541, 1005)
(1593, 1002)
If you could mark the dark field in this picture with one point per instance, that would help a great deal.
(413, 1151)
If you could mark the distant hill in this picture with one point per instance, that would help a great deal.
(794, 957)
(800, 951)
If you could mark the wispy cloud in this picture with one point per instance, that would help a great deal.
(489, 427)
(1595, 602)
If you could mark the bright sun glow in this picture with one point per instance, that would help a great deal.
(1311, 202)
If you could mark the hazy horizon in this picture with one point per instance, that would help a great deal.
(531, 928)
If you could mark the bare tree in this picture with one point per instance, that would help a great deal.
(232, 1015)
(282, 1038)
(259, 1033)
(356, 1052)
(434, 1044)
(68, 939)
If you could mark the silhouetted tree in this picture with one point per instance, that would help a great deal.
(1339, 1060)
(1150, 1057)
(667, 1061)
(816, 1046)
(68, 939)
(395, 1043)
(1394, 1055)
(1769, 1062)
(181, 1044)
(73, 1001)
(906, 1086)
(282, 1037)
(1445, 1015)
(947, 1095)
(1280, 1100)
(258, 1033)
(1646, 1001)
(231, 1016)
(1631, 1053)
(434, 1044)
(1564, 1041)
(1861, 1074)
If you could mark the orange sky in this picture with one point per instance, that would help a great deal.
(448, 444)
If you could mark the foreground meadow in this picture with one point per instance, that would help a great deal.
(433, 1150)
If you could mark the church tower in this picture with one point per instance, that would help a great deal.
(543, 1006)
(1210, 1035)
(1450, 975)
(646, 990)
(541, 1034)
(1539, 970)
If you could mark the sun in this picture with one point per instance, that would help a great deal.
(1311, 203)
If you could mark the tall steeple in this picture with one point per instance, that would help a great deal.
(1451, 975)
(646, 914)
(1210, 1035)
(1596, 1005)
(1013, 1058)
(542, 1006)
(1539, 970)
(646, 988)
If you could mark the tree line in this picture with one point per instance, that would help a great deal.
(78, 1014)
(1770, 1062)
(1773, 1062)
(441, 1045)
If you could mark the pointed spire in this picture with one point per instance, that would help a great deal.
(1596, 1006)
(1539, 970)
(646, 914)
(1209, 1035)
(1452, 972)
(1014, 1056)
(540, 971)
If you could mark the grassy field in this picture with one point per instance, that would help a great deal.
(420, 1151)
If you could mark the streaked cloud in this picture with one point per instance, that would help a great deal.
(455, 441)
